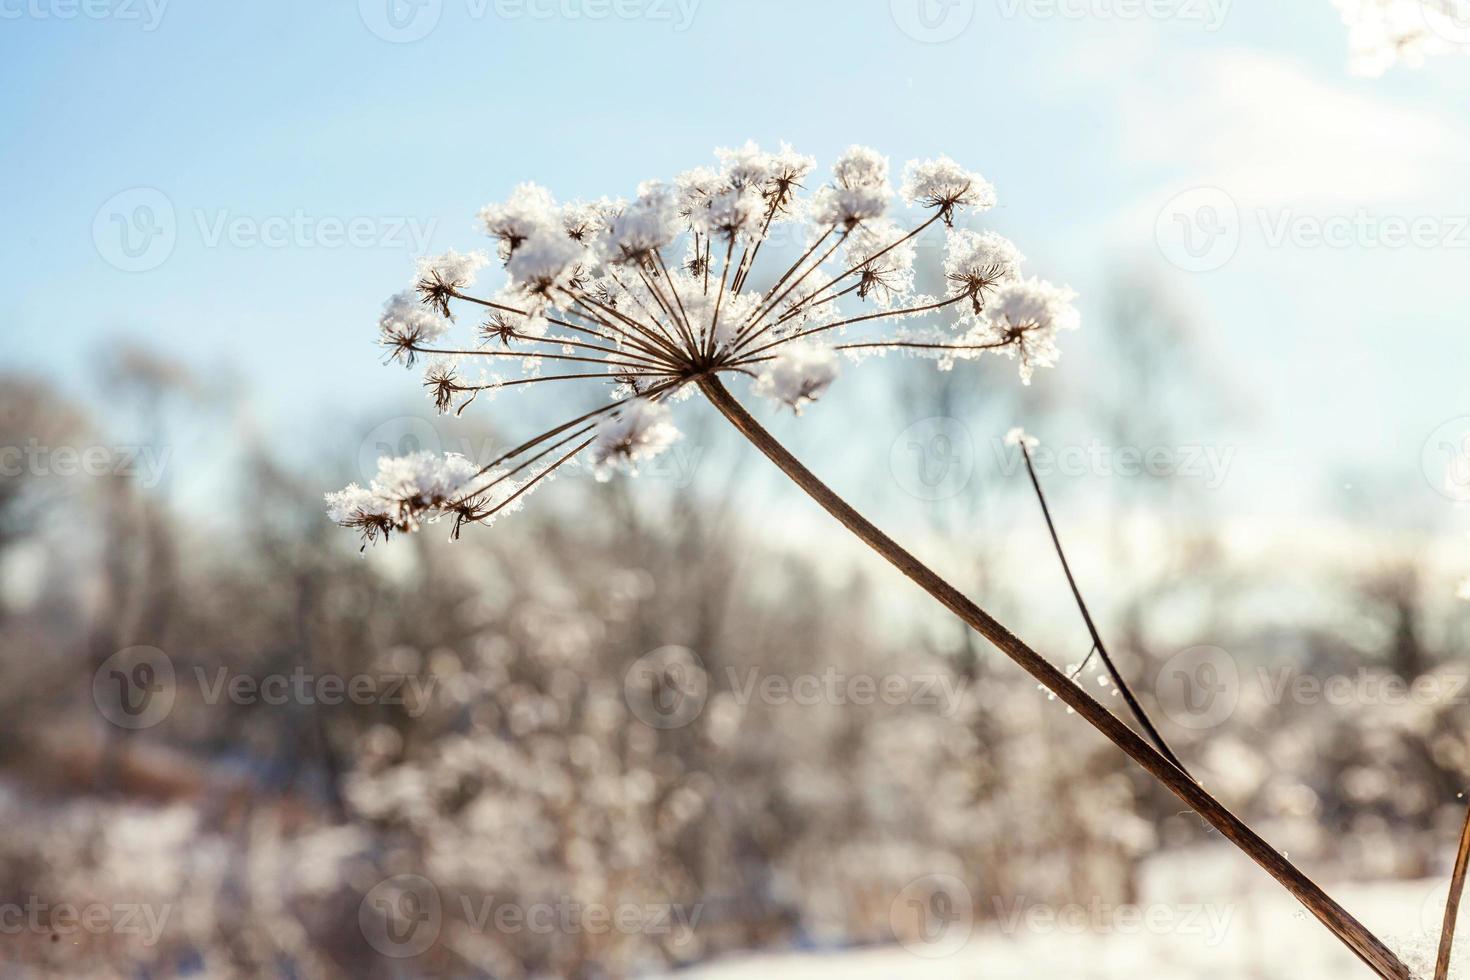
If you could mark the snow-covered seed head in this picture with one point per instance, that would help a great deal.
(885, 270)
(584, 221)
(861, 166)
(975, 262)
(798, 376)
(645, 299)
(732, 213)
(405, 327)
(544, 263)
(945, 185)
(1023, 319)
(645, 227)
(638, 431)
(440, 278)
(442, 380)
(529, 209)
(407, 491)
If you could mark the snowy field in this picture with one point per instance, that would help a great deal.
(1175, 932)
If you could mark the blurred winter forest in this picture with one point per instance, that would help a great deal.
(517, 749)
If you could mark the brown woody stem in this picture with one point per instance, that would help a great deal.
(1352, 933)
(1452, 904)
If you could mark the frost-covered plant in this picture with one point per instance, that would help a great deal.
(652, 295)
(654, 298)
(1383, 33)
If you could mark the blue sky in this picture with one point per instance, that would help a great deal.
(360, 143)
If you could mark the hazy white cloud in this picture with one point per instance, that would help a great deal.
(1274, 135)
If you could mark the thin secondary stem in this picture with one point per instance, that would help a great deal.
(1363, 943)
(1452, 904)
(881, 314)
(535, 441)
(755, 323)
(714, 327)
(1097, 642)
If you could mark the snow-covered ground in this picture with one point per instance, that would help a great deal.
(1178, 931)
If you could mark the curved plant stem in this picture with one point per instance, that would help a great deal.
(1452, 904)
(1124, 689)
(1363, 943)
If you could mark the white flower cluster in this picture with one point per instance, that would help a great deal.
(657, 295)
(421, 488)
(1383, 33)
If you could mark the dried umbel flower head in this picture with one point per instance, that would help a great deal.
(654, 294)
